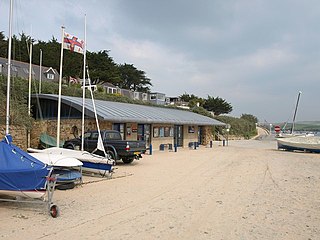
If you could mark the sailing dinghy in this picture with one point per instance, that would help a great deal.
(300, 143)
(23, 176)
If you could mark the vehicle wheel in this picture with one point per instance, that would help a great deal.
(110, 155)
(127, 160)
(70, 147)
(54, 211)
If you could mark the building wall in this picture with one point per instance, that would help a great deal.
(131, 131)
(18, 133)
(207, 135)
(66, 129)
(191, 136)
(156, 139)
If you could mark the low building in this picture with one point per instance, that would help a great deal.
(21, 69)
(159, 126)
(157, 98)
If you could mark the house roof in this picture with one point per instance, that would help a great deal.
(22, 70)
(126, 112)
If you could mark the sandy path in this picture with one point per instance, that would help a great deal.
(247, 190)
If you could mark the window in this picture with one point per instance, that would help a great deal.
(26, 70)
(87, 135)
(111, 90)
(50, 76)
(144, 96)
(153, 96)
(14, 68)
(167, 131)
(161, 97)
(94, 136)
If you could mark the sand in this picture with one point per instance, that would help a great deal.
(246, 190)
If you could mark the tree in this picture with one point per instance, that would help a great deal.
(133, 79)
(249, 118)
(101, 65)
(192, 100)
(102, 68)
(21, 47)
(3, 46)
(217, 105)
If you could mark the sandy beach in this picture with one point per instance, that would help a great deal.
(246, 190)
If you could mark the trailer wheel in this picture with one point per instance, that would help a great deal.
(54, 211)
(127, 160)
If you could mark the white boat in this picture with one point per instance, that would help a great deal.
(90, 162)
(54, 159)
(300, 143)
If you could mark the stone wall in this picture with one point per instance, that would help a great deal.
(18, 133)
(69, 128)
(207, 135)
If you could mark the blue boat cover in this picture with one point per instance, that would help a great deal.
(18, 170)
(66, 175)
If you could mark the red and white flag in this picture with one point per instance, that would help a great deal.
(73, 43)
(73, 80)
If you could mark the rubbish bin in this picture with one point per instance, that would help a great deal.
(161, 147)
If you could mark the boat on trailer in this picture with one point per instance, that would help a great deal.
(92, 163)
(300, 143)
(23, 176)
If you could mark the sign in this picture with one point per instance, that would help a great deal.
(277, 128)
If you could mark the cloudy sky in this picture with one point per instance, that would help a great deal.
(255, 54)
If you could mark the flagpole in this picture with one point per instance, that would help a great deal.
(84, 81)
(40, 70)
(59, 96)
(9, 70)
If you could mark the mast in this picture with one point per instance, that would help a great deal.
(40, 71)
(100, 145)
(60, 83)
(9, 69)
(29, 92)
(84, 81)
(295, 112)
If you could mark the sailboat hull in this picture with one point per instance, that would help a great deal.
(54, 159)
(300, 143)
(90, 162)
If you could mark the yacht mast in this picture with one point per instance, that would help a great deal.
(295, 112)
(9, 69)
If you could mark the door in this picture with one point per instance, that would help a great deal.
(178, 135)
(144, 133)
(91, 141)
(147, 131)
(140, 135)
(200, 134)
